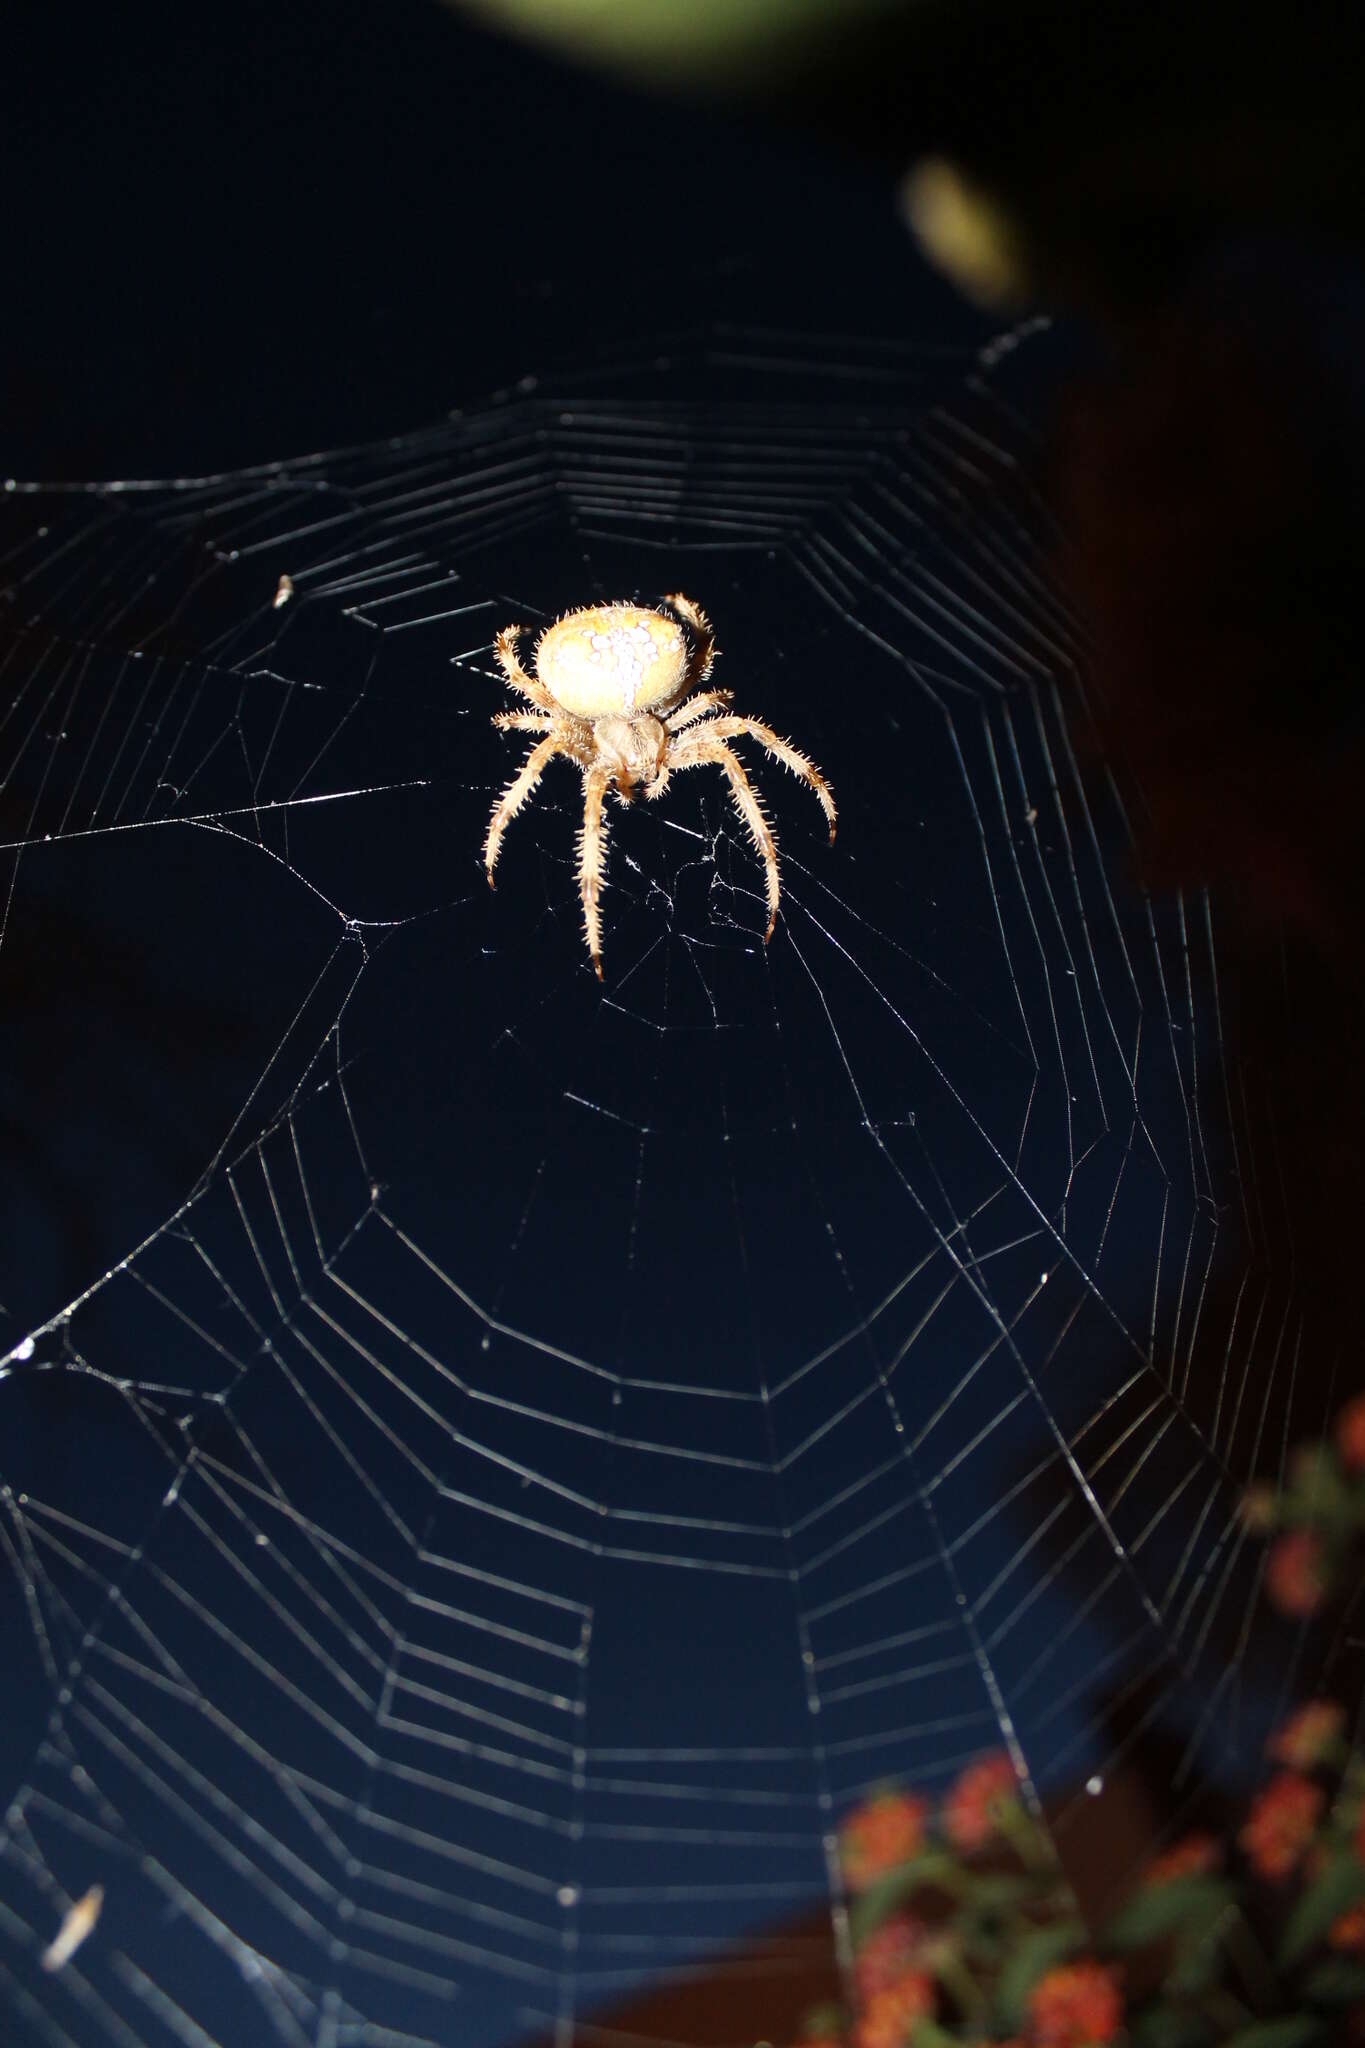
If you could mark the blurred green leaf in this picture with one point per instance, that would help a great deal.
(1299, 2030)
(997, 1893)
(1340, 1886)
(929, 2034)
(881, 1899)
(1032, 1958)
(1170, 2026)
(1339, 1982)
(1198, 1961)
(1318, 1485)
(1164, 1909)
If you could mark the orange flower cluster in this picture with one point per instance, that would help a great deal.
(971, 1811)
(886, 2021)
(1195, 1856)
(880, 1835)
(1296, 1572)
(891, 1827)
(1257, 1509)
(1348, 1931)
(1320, 1512)
(1308, 1737)
(1077, 2006)
(1281, 1824)
(1351, 1435)
(978, 1953)
(888, 1955)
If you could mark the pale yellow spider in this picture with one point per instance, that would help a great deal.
(605, 681)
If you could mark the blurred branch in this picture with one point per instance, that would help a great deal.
(723, 43)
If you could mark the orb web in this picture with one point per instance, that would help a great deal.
(495, 1468)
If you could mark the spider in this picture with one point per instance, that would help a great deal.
(613, 689)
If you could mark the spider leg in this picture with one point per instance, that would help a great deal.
(692, 753)
(517, 791)
(783, 751)
(704, 651)
(514, 675)
(523, 721)
(592, 846)
(697, 707)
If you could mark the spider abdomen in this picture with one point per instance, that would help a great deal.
(611, 658)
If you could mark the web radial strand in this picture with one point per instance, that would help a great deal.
(497, 1468)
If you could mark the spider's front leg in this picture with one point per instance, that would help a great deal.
(514, 675)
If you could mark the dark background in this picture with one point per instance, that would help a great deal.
(278, 228)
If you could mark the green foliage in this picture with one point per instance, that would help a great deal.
(1338, 1982)
(1199, 1960)
(1298, 2030)
(999, 1892)
(880, 1900)
(1341, 1885)
(929, 2034)
(1165, 1909)
(1171, 2026)
(1034, 1955)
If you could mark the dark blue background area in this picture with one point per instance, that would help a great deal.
(258, 232)
(496, 1466)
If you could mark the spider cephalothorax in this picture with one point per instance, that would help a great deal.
(613, 689)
